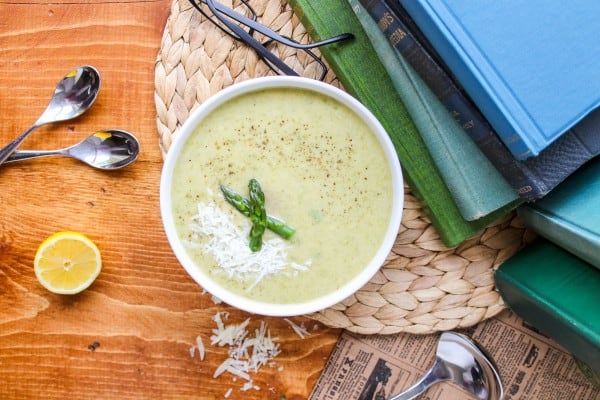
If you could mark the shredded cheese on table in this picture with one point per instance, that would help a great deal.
(200, 344)
(299, 329)
(246, 353)
(219, 237)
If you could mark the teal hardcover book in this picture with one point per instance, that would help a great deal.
(570, 215)
(558, 294)
(476, 185)
(530, 66)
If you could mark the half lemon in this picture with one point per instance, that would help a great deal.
(67, 262)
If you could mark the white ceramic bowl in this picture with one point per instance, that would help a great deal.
(223, 293)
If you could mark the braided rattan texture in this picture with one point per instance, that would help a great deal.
(424, 287)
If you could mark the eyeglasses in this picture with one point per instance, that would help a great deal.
(244, 27)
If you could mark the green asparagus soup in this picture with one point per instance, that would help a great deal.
(322, 172)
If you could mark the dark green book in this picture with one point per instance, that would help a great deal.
(558, 294)
(357, 66)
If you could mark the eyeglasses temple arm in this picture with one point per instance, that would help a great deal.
(269, 32)
(252, 42)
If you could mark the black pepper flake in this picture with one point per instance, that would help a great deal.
(93, 346)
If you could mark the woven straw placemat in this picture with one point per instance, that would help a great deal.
(424, 287)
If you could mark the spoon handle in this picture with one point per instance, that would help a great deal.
(427, 380)
(28, 154)
(10, 148)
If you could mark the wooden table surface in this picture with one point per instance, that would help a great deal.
(143, 311)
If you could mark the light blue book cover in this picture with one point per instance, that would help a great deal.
(475, 184)
(570, 215)
(530, 66)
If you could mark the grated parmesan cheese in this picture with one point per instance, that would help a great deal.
(200, 344)
(246, 353)
(218, 236)
(299, 329)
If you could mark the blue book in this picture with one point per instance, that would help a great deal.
(530, 67)
(570, 215)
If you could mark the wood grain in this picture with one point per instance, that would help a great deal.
(143, 310)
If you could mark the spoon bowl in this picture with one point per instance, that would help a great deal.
(73, 95)
(108, 149)
(461, 361)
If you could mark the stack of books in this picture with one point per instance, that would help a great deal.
(493, 106)
(521, 81)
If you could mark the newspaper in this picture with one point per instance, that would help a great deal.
(532, 366)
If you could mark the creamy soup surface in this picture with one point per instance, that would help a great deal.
(322, 172)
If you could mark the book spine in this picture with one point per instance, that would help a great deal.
(524, 182)
(358, 68)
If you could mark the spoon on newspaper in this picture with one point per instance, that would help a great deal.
(459, 360)
(73, 95)
(109, 149)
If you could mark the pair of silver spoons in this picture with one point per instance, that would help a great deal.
(74, 95)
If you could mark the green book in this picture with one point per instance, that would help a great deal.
(558, 294)
(476, 185)
(362, 74)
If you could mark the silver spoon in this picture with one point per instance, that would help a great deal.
(74, 95)
(109, 149)
(458, 359)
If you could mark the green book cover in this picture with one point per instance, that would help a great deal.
(476, 185)
(362, 74)
(558, 294)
